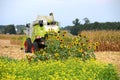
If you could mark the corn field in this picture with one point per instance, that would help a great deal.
(108, 40)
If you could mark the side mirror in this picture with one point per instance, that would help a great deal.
(41, 23)
(28, 25)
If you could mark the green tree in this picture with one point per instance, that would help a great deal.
(75, 30)
(9, 29)
(87, 21)
(2, 29)
(76, 22)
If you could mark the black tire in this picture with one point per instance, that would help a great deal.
(36, 46)
(28, 45)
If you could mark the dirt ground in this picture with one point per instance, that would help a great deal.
(13, 51)
(109, 57)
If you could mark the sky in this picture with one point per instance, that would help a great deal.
(65, 11)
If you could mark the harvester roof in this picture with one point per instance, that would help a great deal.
(45, 19)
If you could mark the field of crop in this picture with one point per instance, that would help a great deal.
(14, 39)
(71, 69)
(70, 57)
(109, 40)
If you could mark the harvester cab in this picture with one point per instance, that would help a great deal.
(37, 30)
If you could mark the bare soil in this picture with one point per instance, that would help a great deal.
(14, 51)
(109, 57)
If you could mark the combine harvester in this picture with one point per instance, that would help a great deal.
(37, 31)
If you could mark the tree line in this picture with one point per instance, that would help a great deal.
(12, 29)
(78, 27)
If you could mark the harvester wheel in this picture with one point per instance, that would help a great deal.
(28, 45)
(36, 46)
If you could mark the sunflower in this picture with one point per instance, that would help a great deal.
(80, 35)
(61, 41)
(61, 45)
(63, 35)
(97, 44)
(94, 47)
(80, 50)
(68, 47)
(58, 38)
(64, 32)
(56, 54)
